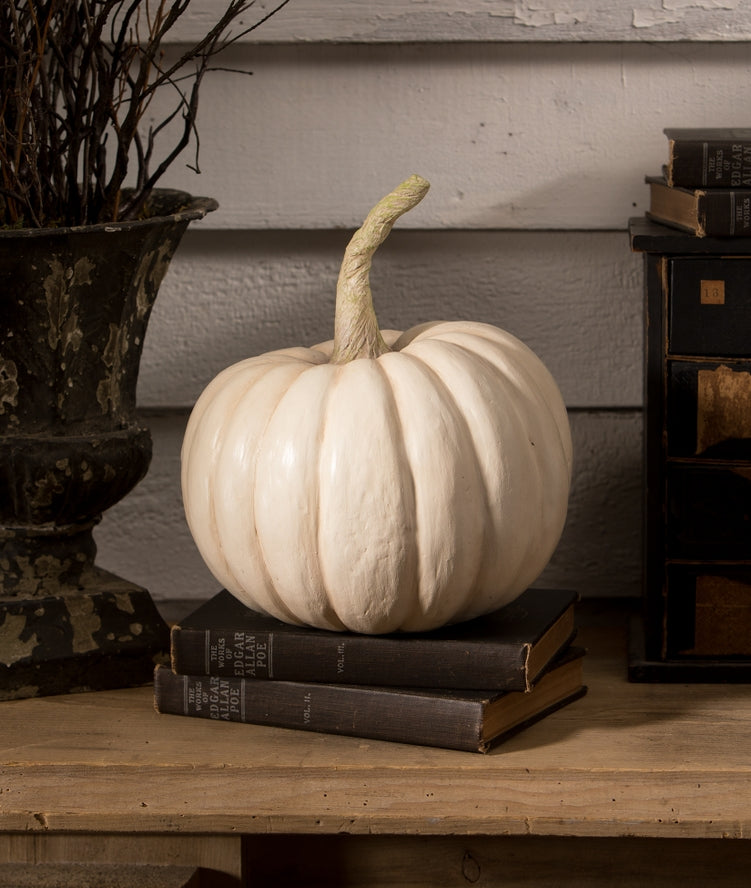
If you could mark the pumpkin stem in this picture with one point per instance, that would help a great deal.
(356, 333)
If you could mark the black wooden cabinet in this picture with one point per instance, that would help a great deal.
(695, 623)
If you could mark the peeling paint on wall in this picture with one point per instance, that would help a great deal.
(546, 13)
(423, 21)
(674, 11)
(701, 4)
(542, 13)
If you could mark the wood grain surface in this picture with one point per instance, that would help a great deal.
(627, 760)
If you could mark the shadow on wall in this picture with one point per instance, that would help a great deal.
(600, 552)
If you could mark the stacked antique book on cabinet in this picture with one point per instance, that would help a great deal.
(466, 686)
(705, 187)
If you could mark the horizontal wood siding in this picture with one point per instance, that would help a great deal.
(535, 122)
(540, 136)
(446, 21)
(573, 297)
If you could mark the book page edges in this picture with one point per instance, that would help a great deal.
(555, 638)
(516, 709)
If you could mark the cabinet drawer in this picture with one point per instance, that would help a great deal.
(709, 512)
(708, 611)
(709, 410)
(710, 307)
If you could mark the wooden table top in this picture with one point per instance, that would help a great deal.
(628, 759)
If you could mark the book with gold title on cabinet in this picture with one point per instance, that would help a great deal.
(705, 185)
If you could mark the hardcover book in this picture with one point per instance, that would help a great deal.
(709, 157)
(467, 720)
(709, 212)
(504, 650)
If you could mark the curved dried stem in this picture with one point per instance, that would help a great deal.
(356, 332)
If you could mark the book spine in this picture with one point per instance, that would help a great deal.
(348, 660)
(725, 213)
(227, 653)
(367, 712)
(710, 164)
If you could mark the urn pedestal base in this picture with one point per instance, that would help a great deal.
(107, 634)
(75, 309)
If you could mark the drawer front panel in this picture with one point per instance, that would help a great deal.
(708, 611)
(710, 307)
(709, 513)
(709, 410)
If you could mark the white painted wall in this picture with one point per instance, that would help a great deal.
(536, 123)
(553, 136)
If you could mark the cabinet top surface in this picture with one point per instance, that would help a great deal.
(628, 759)
(651, 237)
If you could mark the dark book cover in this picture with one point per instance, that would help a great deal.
(709, 157)
(506, 649)
(473, 721)
(709, 212)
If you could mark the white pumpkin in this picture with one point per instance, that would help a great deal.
(379, 482)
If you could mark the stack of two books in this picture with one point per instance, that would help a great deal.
(466, 686)
(705, 187)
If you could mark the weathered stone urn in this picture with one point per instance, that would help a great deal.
(75, 307)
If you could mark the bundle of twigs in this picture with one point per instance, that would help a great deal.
(76, 80)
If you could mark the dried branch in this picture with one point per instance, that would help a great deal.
(76, 80)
